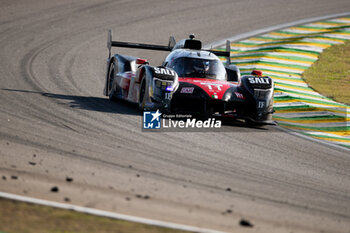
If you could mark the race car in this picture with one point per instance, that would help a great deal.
(191, 80)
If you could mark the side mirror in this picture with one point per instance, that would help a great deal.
(233, 73)
(140, 61)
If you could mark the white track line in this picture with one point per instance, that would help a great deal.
(107, 214)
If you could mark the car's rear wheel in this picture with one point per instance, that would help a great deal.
(111, 75)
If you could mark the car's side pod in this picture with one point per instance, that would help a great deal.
(259, 90)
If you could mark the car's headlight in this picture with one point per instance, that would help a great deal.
(165, 85)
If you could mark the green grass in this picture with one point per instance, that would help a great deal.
(330, 75)
(20, 217)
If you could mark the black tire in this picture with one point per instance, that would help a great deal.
(111, 76)
(207, 113)
(142, 99)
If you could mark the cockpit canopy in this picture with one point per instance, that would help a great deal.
(196, 64)
(190, 67)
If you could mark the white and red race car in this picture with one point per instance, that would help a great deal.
(191, 80)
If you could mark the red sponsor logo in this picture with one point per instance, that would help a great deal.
(187, 90)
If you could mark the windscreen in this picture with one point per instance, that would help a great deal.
(199, 68)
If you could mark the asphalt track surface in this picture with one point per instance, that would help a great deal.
(55, 123)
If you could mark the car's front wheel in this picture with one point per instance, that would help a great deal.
(142, 97)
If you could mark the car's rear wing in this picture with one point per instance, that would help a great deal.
(169, 47)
